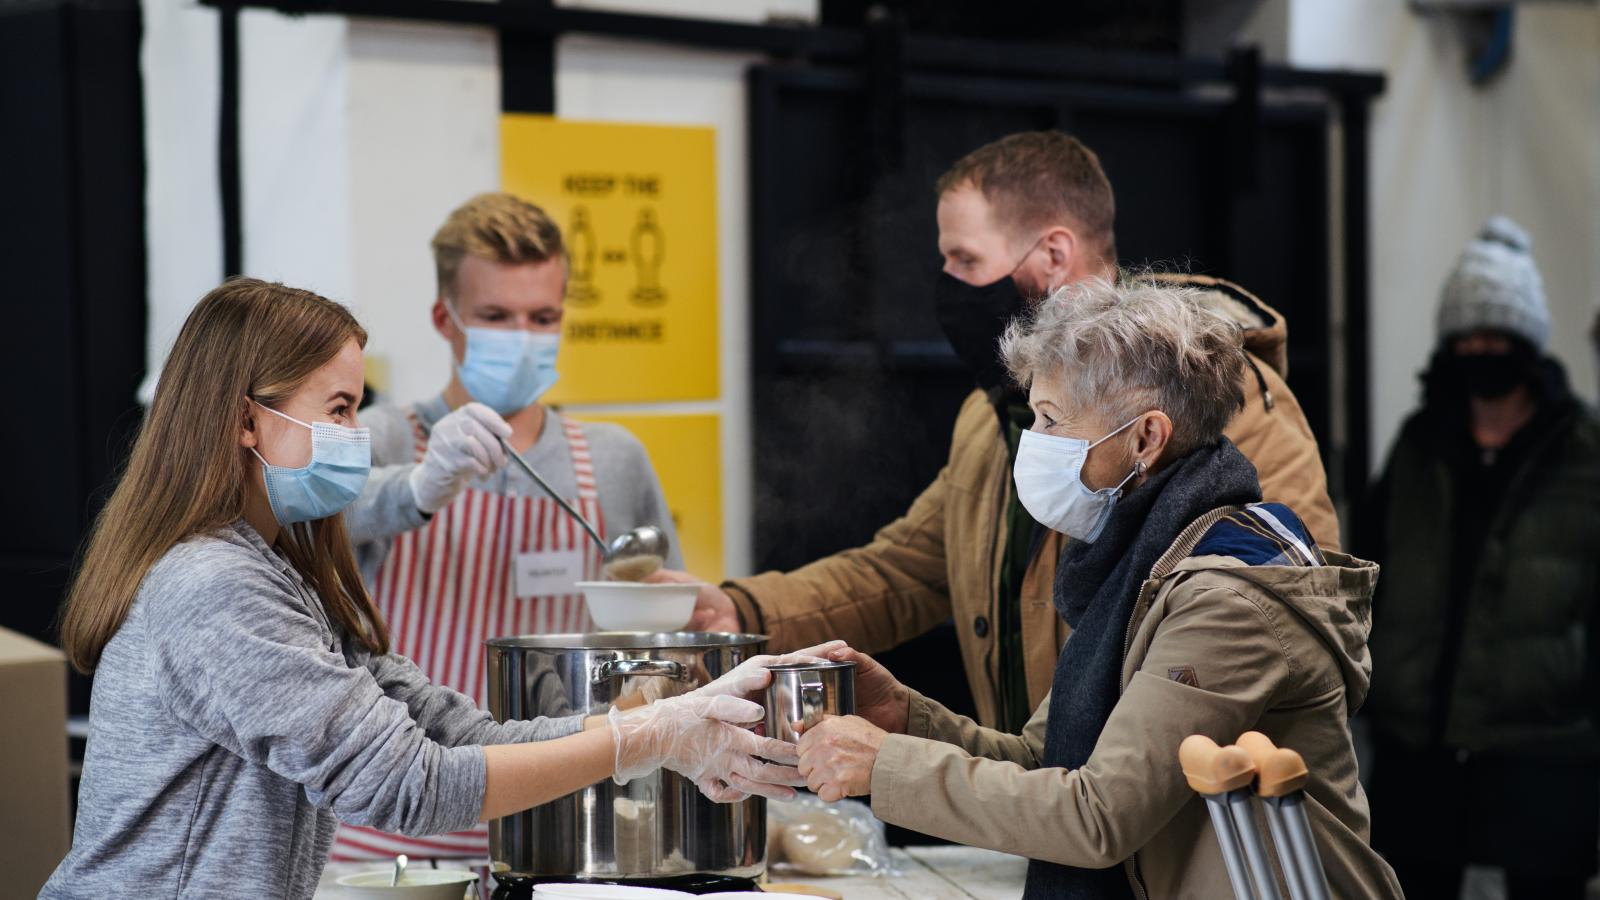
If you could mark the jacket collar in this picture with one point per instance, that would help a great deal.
(1266, 333)
(1333, 600)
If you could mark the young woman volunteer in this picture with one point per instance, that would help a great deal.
(245, 697)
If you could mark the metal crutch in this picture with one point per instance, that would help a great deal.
(1281, 776)
(1222, 775)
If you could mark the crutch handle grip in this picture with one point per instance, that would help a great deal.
(1279, 770)
(1214, 770)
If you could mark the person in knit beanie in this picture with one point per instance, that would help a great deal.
(1485, 645)
(1496, 286)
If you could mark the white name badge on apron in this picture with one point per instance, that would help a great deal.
(551, 573)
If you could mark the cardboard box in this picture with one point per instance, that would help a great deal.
(34, 831)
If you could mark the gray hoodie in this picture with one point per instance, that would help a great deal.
(231, 725)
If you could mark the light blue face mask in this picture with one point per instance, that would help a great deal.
(506, 369)
(1049, 477)
(340, 460)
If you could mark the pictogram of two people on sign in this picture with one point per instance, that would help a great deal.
(646, 250)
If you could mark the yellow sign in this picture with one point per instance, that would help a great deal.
(686, 453)
(637, 205)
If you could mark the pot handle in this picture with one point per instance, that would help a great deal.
(631, 668)
(813, 702)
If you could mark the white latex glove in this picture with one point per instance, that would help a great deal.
(701, 739)
(461, 446)
(752, 675)
(744, 680)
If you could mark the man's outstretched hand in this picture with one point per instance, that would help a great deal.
(713, 610)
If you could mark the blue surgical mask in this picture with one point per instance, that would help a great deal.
(506, 369)
(1049, 476)
(340, 460)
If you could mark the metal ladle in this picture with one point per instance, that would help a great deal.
(644, 541)
(641, 542)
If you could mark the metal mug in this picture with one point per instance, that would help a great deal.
(805, 692)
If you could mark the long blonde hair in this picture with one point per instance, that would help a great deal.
(187, 472)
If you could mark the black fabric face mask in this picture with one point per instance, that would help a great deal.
(973, 319)
(1490, 375)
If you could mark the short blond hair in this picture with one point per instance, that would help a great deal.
(1129, 347)
(1038, 179)
(497, 226)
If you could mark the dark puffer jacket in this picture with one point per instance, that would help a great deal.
(1489, 643)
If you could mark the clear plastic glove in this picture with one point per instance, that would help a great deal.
(701, 739)
(747, 679)
(752, 675)
(461, 446)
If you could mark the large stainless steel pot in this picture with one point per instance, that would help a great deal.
(653, 827)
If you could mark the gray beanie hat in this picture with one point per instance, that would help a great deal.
(1495, 285)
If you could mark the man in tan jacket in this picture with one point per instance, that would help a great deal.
(1018, 218)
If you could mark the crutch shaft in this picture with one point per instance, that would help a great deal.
(1303, 846)
(1292, 875)
(1228, 841)
(1240, 805)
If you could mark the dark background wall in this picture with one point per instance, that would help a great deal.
(72, 247)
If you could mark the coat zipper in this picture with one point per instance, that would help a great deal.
(991, 666)
(1187, 539)
(1127, 642)
(1448, 667)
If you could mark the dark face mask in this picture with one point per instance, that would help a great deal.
(1490, 375)
(973, 319)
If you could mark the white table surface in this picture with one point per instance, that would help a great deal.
(926, 873)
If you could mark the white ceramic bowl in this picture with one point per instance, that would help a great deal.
(418, 884)
(605, 892)
(631, 606)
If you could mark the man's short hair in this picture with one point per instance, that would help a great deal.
(495, 226)
(1037, 179)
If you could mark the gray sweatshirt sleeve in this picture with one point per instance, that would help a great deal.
(451, 718)
(630, 492)
(240, 655)
(652, 507)
(387, 506)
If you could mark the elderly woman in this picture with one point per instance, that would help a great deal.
(1195, 608)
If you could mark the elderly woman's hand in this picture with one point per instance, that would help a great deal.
(837, 755)
(880, 697)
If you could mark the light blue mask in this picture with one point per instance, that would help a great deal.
(1049, 477)
(340, 460)
(506, 369)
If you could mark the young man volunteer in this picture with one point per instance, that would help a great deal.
(1017, 218)
(465, 547)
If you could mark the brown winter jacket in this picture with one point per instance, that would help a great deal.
(1216, 647)
(942, 558)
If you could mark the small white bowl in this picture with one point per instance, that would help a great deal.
(418, 884)
(632, 606)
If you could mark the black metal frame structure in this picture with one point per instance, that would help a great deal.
(74, 249)
(528, 28)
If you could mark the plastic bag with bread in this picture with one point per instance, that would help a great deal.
(808, 837)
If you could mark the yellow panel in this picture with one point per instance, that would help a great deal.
(637, 205)
(686, 453)
(375, 370)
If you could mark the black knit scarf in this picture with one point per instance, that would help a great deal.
(1095, 590)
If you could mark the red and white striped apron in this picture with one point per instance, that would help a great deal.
(448, 586)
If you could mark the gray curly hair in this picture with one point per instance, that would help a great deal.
(1127, 348)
